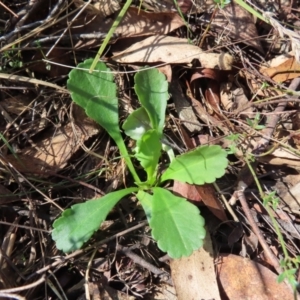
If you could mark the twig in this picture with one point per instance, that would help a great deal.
(24, 287)
(8, 9)
(81, 36)
(246, 178)
(33, 81)
(11, 296)
(81, 251)
(272, 120)
(241, 196)
(140, 261)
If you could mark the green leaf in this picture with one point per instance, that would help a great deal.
(176, 224)
(151, 87)
(148, 152)
(146, 200)
(281, 277)
(137, 123)
(200, 166)
(96, 93)
(77, 224)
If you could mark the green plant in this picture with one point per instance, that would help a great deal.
(110, 34)
(176, 224)
(289, 265)
(222, 3)
(11, 59)
(255, 122)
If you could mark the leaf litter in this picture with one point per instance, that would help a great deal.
(53, 156)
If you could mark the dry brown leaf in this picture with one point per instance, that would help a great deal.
(241, 278)
(194, 276)
(209, 198)
(191, 6)
(184, 108)
(287, 70)
(100, 291)
(280, 161)
(278, 60)
(53, 152)
(135, 23)
(168, 49)
(236, 23)
(102, 8)
(292, 197)
(281, 156)
(187, 191)
(285, 153)
(17, 104)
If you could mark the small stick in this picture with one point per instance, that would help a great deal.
(8, 9)
(140, 261)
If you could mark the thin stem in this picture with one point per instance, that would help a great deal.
(274, 222)
(110, 34)
(124, 153)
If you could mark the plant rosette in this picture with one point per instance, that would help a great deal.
(176, 224)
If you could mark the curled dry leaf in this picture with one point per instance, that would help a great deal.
(168, 49)
(287, 70)
(281, 156)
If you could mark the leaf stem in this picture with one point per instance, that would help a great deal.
(124, 153)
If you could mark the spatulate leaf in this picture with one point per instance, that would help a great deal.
(200, 166)
(151, 87)
(96, 93)
(176, 224)
(137, 123)
(77, 224)
(148, 152)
